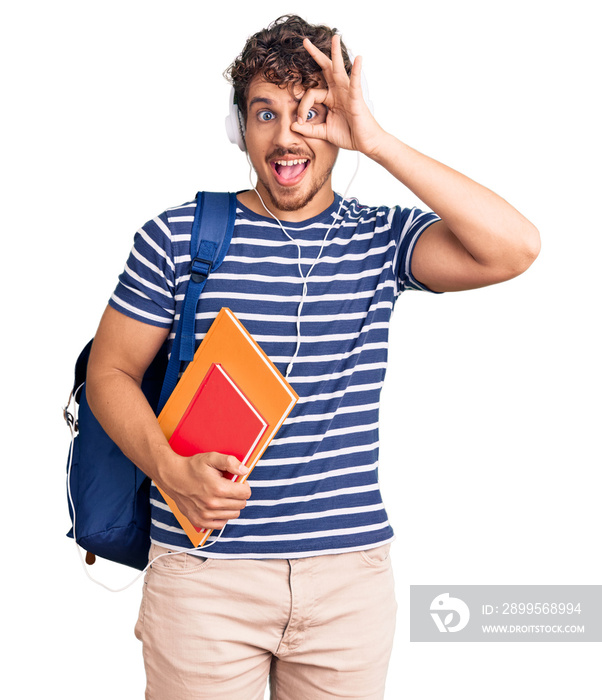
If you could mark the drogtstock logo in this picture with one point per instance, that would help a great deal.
(449, 614)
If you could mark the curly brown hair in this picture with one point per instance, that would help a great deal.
(278, 55)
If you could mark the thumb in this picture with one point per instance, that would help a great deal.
(312, 131)
(227, 463)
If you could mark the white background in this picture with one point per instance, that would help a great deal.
(490, 443)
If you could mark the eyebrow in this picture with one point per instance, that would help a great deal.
(268, 101)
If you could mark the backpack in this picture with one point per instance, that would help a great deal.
(108, 496)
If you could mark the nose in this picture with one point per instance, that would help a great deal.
(285, 137)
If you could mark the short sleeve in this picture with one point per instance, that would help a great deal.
(411, 224)
(146, 287)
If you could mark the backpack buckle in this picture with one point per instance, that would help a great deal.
(200, 270)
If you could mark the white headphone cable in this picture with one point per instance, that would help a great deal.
(286, 233)
(72, 423)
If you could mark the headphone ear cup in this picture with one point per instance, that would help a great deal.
(234, 125)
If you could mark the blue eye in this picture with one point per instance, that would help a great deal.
(312, 114)
(265, 115)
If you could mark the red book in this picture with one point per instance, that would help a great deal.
(219, 418)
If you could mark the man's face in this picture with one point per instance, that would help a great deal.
(293, 171)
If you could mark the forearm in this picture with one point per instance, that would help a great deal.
(488, 227)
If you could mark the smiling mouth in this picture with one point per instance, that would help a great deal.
(289, 172)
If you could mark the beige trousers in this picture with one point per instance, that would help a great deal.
(319, 628)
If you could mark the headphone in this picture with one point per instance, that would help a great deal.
(235, 127)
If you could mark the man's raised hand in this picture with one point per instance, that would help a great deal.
(349, 123)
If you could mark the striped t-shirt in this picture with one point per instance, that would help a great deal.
(315, 490)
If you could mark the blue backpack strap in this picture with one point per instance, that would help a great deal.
(209, 240)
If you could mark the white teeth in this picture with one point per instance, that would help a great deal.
(292, 162)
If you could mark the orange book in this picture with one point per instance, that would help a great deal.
(229, 345)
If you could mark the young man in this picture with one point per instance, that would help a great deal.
(299, 586)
